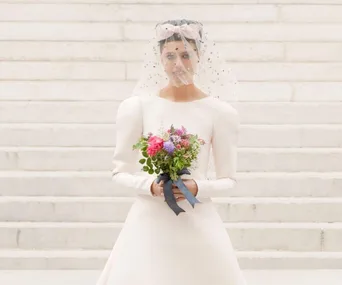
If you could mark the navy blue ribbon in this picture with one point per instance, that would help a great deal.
(169, 195)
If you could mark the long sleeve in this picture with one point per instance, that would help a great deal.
(129, 128)
(224, 147)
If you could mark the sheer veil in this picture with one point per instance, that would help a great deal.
(198, 62)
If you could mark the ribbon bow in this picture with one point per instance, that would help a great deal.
(168, 193)
(190, 31)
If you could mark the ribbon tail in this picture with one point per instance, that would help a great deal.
(170, 198)
(188, 195)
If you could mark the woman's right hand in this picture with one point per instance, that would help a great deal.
(157, 189)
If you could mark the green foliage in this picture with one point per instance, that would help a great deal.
(163, 162)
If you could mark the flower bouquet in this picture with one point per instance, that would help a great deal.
(170, 155)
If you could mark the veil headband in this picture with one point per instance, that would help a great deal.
(190, 31)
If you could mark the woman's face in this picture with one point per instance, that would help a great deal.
(179, 61)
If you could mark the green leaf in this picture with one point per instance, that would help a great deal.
(146, 168)
(151, 171)
(145, 154)
(142, 161)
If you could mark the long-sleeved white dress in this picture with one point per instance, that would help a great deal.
(155, 246)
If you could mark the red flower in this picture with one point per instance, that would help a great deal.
(178, 146)
(155, 144)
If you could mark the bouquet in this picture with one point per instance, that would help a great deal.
(169, 155)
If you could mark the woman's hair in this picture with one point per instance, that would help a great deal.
(177, 37)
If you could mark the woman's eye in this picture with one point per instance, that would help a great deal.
(170, 56)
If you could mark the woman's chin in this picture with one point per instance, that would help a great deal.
(180, 83)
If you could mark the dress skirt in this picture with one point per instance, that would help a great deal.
(156, 247)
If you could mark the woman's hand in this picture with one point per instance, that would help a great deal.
(157, 189)
(190, 184)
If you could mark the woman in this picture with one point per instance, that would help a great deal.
(156, 247)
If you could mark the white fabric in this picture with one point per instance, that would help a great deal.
(156, 247)
(190, 31)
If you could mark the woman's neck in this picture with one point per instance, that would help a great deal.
(183, 93)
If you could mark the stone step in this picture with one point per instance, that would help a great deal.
(272, 71)
(109, 209)
(129, 51)
(132, 51)
(152, 11)
(95, 184)
(100, 158)
(111, 31)
(90, 277)
(264, 113)
(92, 90)
(113, 12)
(244, 236)
(88, 135)
(96, 259)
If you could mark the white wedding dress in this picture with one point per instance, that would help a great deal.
(155, 246)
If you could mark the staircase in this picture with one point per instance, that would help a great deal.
(66, 65)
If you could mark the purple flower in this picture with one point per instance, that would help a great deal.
(175, 139)
(169, 147)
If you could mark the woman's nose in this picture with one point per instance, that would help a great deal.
(178, 62)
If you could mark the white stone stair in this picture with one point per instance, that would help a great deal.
(66, 65)
(102, 135)
(95, 259)
(114, 209)
(267, 236)
(99, 184)
(100, 158)
(256, 113)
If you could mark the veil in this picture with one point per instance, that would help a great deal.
(181, 53)
(198, 62)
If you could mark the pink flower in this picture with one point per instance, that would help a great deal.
(152, 151)
(155, 144)
(178, 146)
(179, 132)
(155, 140)
(185, 143)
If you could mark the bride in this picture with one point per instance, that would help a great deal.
(182, 85)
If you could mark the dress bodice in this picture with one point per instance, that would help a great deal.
(196, 116)
(213, 120)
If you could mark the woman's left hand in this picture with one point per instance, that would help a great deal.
(190, 184)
